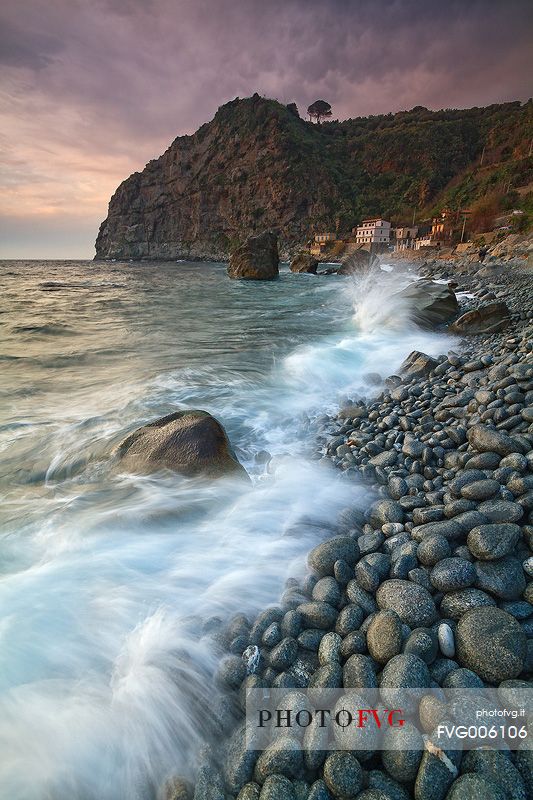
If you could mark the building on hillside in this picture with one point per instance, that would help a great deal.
(373, 231)
(449, 224)
(320, 242)
(404, 237)
(426, 240)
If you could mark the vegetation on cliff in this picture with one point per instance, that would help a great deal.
(257, 165)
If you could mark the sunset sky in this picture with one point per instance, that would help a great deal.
(92, 89)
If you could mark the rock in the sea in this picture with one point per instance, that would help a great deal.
(358, 259)
(413, 604)
(489, 318)
(431, 304)
(257, 259)
(188, 442)
(304, 262)
(491, 643)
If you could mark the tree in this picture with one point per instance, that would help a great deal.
(319, 109)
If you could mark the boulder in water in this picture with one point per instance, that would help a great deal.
(257, 259)
(356, 261)
(188, 442)
(304, 262)
(431, 304)
(490, 318)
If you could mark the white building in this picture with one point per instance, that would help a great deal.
(425, 241)
(373, 231)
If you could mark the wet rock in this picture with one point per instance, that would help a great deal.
(422, 642)
(475, 787)
(329, 649)
(431, 303)
(231, 672)
(317, 614)
(480, 490)
(387, 788)
(304, 262)
(491, 643)
(343, 775)
(385, 511)
(189, 442)
(489, 318)
(413, 604)
(438, 770)
(349, 619)
(484, 439)
(433, 549)
(327, 590)
(451, 574)
(448, 528)
(490, 542)
(284, 654)
(319, 791)
(417, 365)
(257, 259)
(277, 787)
(327, 677)
(503, 578)
(323, 557)
(177, 789)
(498, 768)
(497, 510)
(401, 763)
(353, 643)
(404, 672)
(359, 673)
(384, 636)
(250, 791)
(282, 757)
(462, 679)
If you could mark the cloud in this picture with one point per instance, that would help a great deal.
(91, 91)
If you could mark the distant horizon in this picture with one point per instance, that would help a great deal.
(90, 94)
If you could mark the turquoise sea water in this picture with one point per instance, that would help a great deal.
(107, 579)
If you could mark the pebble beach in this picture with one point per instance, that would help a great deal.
(428, 585)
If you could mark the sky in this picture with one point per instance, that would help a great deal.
(90, 90)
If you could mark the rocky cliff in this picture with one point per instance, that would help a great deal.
(258, 166)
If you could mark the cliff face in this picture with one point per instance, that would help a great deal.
(258, 166)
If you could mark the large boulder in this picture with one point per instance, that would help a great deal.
(188, 442)
(257, 259)
(357, 261)
(430, 304)
(489, 318)
(304, 262)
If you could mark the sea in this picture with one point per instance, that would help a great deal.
(111, 584)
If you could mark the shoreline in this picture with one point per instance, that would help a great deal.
(448, 453)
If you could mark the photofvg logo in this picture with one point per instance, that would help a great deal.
(389, 718)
